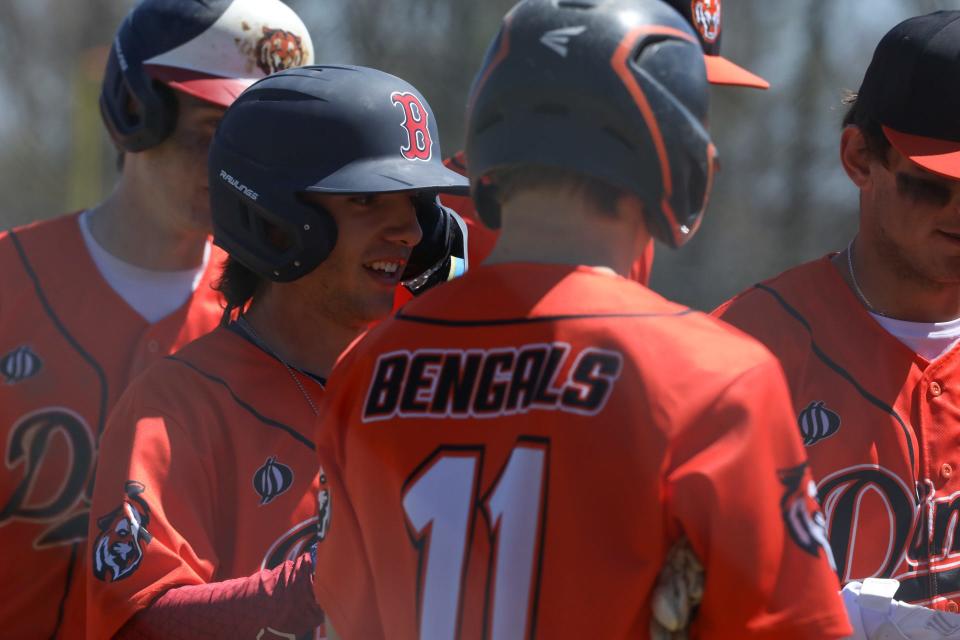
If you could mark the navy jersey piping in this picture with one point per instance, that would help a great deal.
(89, 359)
(63, 331)
(63, 600)
(499, 322)
(843, 373)
(256, 414)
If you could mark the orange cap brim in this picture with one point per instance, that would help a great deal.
(941, 157)
(722, 71)
(213, 89)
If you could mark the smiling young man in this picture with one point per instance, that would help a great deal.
(205, 505)
(89, 300)
(868, 336)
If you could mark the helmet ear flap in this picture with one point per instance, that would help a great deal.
(139, 112)
(273, 246)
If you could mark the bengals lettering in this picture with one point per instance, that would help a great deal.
(486, 383)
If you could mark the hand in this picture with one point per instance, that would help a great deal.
(678, 592)
(876, 615)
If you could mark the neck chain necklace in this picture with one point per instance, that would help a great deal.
(248, 329)
(856, 285)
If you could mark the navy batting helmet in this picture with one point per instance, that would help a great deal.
(321, 129)
(210, 49)
(615, 90)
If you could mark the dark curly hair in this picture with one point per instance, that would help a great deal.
(877, 144)
(238, 285)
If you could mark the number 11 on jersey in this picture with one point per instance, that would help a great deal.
(441, 502)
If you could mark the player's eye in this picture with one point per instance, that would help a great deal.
(363, 200)
(923, 191)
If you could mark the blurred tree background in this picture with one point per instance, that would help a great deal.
(780, 198)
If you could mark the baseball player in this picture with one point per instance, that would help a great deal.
(516, 452)
(205, 507)
(868, 336)
(88, 300)
(705, 16)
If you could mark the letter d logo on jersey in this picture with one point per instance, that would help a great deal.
(416, 122)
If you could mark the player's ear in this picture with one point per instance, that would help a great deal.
(855, 156)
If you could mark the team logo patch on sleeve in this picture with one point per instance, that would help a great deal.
(323, 508)
(20, 364)
(801, 514)
(817, 423)
(272, 479)
(118, 550)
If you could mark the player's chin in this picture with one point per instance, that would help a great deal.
(376, 307)
(947, 272)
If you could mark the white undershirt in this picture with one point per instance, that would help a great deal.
(152, 294)
(928, 339)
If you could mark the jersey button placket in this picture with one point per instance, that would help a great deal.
(935, 389)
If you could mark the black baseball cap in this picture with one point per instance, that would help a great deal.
(706, 18)
(912, 88)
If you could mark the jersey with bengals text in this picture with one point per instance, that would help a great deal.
(69, 345)
(881, 426)
(514, 454)
(205, 476)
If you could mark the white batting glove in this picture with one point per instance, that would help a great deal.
(875, 615)
(679, 590)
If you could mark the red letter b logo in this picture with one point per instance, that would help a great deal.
(417, 125)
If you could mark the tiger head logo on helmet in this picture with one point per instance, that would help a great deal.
(118, 551)
(278, 50)
(706, 18)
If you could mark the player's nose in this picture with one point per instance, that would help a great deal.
(402, 225)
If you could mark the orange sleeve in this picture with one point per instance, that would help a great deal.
(151, 525)
(739, 487)
(343, 583)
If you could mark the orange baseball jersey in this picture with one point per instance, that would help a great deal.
(515, 452)
(69, 345)
(206, 476)
(881, 426)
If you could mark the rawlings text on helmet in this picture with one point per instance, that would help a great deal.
(242, 188)
(117, 551)
(706, 18)
(416, 122)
